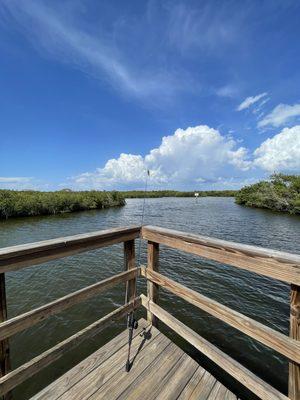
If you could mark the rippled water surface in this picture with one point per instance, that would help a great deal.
(258, 297)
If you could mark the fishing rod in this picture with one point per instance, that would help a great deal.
(132, 323)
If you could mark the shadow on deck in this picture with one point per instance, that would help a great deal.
(160, 370)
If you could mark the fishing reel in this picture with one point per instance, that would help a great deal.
(132, 323)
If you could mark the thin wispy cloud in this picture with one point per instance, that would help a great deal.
(249, 101)
(258, 109)
(18, 182)
(54, 34)
(229, 91)
(205, 28)
(280, 115)
(16, 179)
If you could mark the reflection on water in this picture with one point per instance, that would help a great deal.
(258, 297)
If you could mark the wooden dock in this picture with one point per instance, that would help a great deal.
(160, 370)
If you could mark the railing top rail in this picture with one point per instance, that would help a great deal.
(16, 257)
(275, 264)
(280, 256)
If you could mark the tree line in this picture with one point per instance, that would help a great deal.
(280, 193)
(24, 203)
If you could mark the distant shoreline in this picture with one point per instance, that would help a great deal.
(30, 203)
(135, 194)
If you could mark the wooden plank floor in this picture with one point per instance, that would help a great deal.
(160, 370)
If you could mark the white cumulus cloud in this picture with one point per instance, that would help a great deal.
(280, 115)
(281, 152)
(127, 169)
(196, 154)
(250, 100)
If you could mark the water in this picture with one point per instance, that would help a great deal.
(258, 297)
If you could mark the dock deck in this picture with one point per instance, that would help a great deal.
(160, 370)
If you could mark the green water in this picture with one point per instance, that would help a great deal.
(258, 297)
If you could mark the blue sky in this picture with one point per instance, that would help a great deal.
(205, 94)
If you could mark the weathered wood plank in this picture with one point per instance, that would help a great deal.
(152, 288)
(175, 380)
(230, 396)
(232, 367)
(204, 387)
(192, 384)
(152, 373)
(5, 365)
(218, 392)
(25, 255)
(294, 367)
(289, 347)
(87, 368)
(25, 371)
(30, 318)
(110, 378)
(272, 263)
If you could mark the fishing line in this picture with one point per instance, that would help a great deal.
(143, 214)
(131, 321)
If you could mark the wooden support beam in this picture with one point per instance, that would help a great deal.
(268, 336)
(25, 371)
(25, 255)
(294, 367)
(129, 258)
(152, 287)
(5, 365)
(30, 318)
(256, 385)
(272, 263)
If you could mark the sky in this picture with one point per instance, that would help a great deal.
(204, 94)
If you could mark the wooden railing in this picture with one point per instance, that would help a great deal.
(270, 263)
(17, 257)
(273, 264)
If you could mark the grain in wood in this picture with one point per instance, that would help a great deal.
(271, 263)
(232, 367)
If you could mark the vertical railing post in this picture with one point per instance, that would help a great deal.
(4, 344)
(294, 368)
(129, 256)
(152, 288)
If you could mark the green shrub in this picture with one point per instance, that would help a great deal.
(280, 193)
